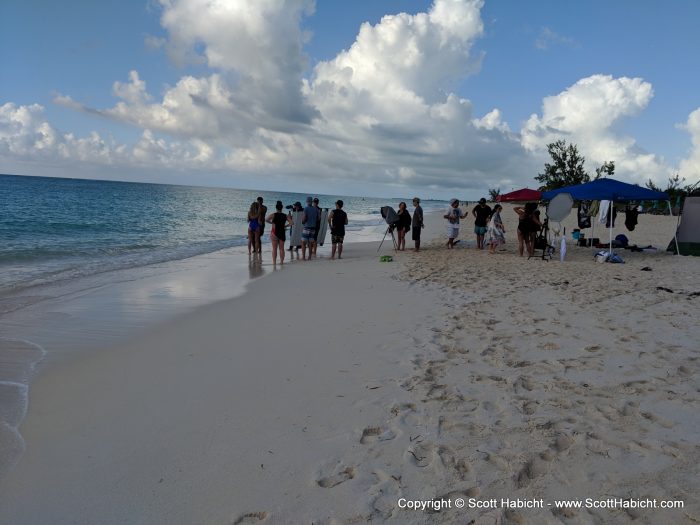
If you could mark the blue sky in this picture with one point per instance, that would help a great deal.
(262, 114)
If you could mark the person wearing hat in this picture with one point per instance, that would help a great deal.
(337, 219)
(309, 220)
(453, 215)
(482, 214)
(417, 223)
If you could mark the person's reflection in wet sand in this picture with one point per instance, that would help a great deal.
(255, 268)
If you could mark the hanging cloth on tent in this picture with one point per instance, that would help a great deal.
(593, 210)
(584, 218)
(604, 208)
(631, 214)
(611, 210)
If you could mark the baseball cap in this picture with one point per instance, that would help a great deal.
(482, 201)
(315, 199)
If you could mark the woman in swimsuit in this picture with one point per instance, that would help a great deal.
(527, 227)
(254, 228)
(279, 221)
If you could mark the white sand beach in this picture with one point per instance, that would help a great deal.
(337, 391)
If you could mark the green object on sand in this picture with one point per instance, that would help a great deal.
(386, 258)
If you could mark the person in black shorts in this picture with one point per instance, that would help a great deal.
(482, 213)
(279, 221)
(337, 219)
(417, 223)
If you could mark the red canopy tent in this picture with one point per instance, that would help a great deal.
(524, 195)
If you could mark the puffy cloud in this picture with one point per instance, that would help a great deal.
(27, 136)
(690, 166)
(260, 42)
(585, 114)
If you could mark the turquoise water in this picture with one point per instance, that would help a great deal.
(55, 229)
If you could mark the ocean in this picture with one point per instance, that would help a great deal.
(54, 229)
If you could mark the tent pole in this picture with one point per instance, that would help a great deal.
(675, 232)
(612, 218)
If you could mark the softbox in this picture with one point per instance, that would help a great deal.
(389, 215)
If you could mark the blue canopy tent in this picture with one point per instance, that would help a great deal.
(609, 190)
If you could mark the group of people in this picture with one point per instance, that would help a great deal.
(407, 223)
(281, 222)
(489, 228)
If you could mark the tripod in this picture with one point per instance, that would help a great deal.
(389, 230)
(542, 241)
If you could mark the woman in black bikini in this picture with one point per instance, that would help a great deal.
(279, 221)
(528, 226)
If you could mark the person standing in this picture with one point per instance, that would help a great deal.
(403, 226)
(318, 223)
(295, 249)
(496, 230)
(261, 221)
(482, 214)
(337, 219)
(279, 221)
(254, 228)
(309, 219)
(453, 215)
(528, 225)
(417, 223)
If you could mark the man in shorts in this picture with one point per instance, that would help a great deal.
(482, 214)
(453, 215)
(309, 220)
(337, 219)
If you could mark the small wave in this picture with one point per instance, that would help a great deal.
(51, 270)
(18, 359)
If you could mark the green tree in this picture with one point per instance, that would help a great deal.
(565, 170)
(606, 170)
(494, 193)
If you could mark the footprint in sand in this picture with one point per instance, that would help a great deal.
(450, 461)
(336, 479)
(251, 517)
(372, 434)
(534, 468)
(422, 454)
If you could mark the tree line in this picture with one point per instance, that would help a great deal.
(567, 168)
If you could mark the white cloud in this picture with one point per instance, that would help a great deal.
(548, 38)
(586, 113)
(259, 42)
(690, 166)
(26, 135)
